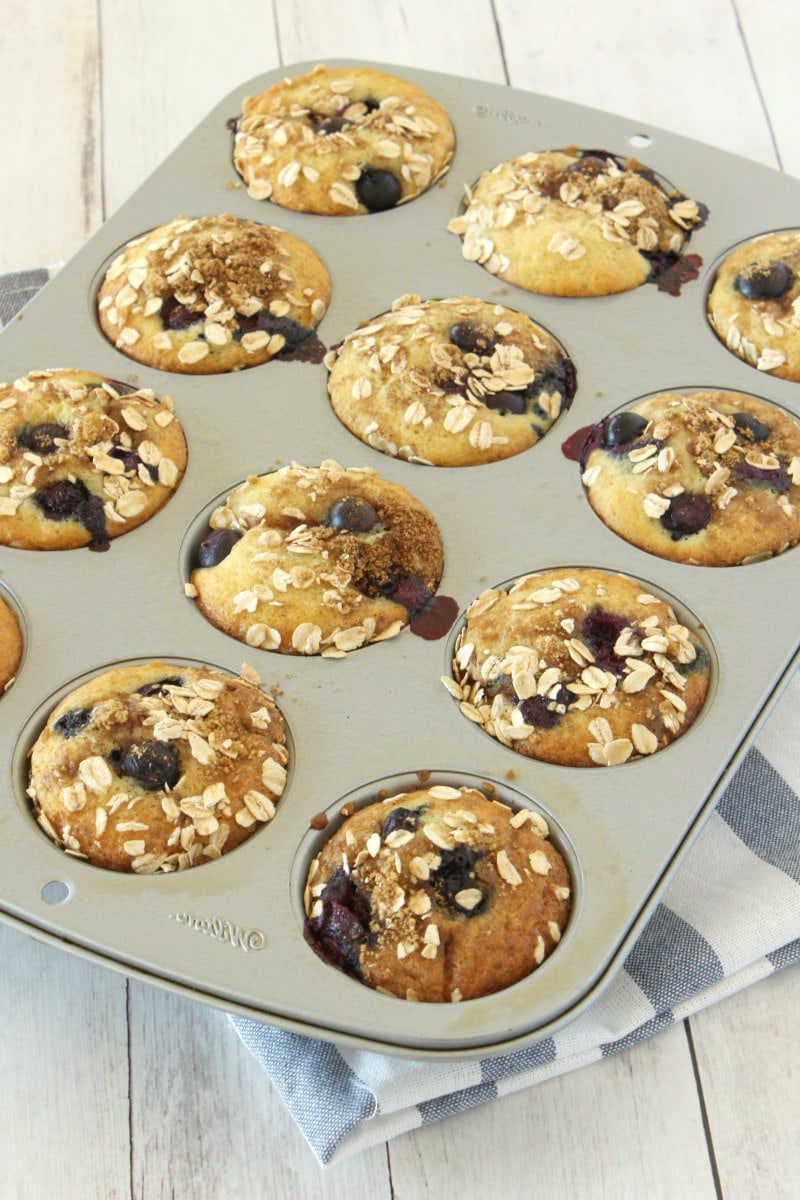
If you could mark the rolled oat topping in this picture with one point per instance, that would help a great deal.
(577, 201)
(342, 141)
(159, 768)
(83, 458)
(616, 692)
(437, 895)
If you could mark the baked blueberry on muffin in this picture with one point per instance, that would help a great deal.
(578, 667)
(316, 560)
(83, 459)
(341, 142)
(10, 645)
(710, 478)
(451, 382)
(754, 303)
(575, 223)
(203, 295)
(440, 894)
(158, 767)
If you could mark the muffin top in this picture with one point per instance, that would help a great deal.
(158, 767)
(438, 894)
(574, 223)
(10, 645)
(83, 459)
(754, 303)
(450, 382)
(710, 478)
(203, 295)
(578, 667)
(317, 560)
(341, 142)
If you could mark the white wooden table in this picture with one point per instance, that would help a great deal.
(111, 1088)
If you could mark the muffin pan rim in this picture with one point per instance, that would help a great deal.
(446, 1033)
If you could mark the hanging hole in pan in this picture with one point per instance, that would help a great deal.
(56, 892)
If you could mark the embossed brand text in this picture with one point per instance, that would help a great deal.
(224, 931)
(504, 114)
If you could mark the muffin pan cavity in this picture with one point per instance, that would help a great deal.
(753, 302)
(381, 718)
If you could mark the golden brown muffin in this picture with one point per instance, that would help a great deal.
(710, 478)
(317, 560)
(754, 303)
(158, 767)
(440, 894)
(578, 667)
(451, 382)
(574, 223)
(204, 295)
(83, 459)
(341, 142)
(10, 646)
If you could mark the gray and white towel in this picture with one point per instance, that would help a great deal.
(730, 917)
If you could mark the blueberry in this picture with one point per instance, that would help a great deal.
(66, 499)
(411, 592)
(541, 711)
(766, 280)
(599, 630)
(41, 439)
(131, 461)
(456, 873)
(154, 765)
(62, 499)
(746, 424)
(777, 479)
(352, 514)
(400, 818)
(562, 378)
(73, 721)
(178, 316)
(623, 428)
(472, 338)
(326, 125)
(293, 334)
(157, 688)
(686, 514)
(342, 924)
(506, 402)
(216, 546)
(378, 189)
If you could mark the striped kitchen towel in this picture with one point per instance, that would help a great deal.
(730, 917)
(18, 287)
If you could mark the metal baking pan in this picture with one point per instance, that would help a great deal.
(230, 932)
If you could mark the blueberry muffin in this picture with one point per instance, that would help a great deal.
(316, 560)
(578, 667)
(709, 478)
(10, 645)
(158, 767)
(440, 894)
(575, 223)
(204, 295)
(83, 459)
(341, 142)
(754, 303)
(452, 382)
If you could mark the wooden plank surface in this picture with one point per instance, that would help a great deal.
(146, 1094)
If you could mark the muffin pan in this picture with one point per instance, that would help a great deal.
(230, 932)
